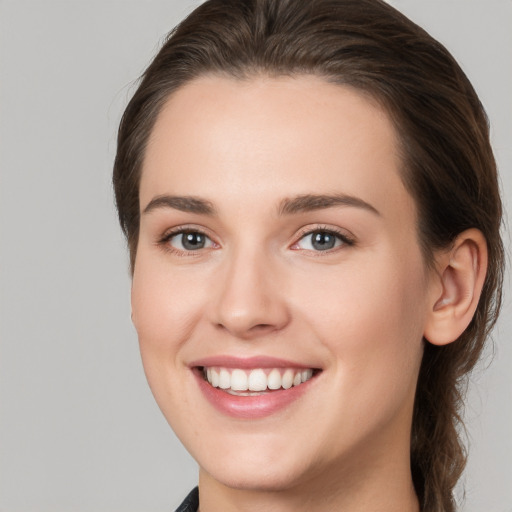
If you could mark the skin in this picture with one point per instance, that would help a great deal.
(358, 311)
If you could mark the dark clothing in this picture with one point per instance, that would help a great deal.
(190, 503)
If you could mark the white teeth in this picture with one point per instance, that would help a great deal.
(215, 378)
(257, 380)
(238, 381)
(224, 379)
(274, 379)
(287, 379)
(306, 375)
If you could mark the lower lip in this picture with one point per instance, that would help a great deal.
(250, 407)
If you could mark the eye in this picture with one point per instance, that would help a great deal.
(189, 241)
(321, 240)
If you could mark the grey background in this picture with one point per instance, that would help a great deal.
(79, 430)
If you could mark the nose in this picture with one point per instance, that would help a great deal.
(250, 302)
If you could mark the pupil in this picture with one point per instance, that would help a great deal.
(192, 241)
(323, 241)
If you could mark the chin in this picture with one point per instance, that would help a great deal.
(261, 480)
(260, 470)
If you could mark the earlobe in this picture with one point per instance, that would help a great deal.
(456, 287)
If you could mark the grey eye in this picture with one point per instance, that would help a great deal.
(190, 241)
(320, 241)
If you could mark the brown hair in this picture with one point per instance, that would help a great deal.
(448, 164)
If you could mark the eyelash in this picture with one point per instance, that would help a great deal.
(181, 230)
(165, 239)
(346, 240)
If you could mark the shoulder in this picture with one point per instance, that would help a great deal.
(190, 503)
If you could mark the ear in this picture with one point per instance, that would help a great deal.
(456, 287)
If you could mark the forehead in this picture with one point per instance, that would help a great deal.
(265, 137)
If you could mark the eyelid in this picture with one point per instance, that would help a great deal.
(163, 240)
(346, 238)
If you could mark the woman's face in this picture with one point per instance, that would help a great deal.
(278, 247)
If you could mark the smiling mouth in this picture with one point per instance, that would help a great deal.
(255, 382)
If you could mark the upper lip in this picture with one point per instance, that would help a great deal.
(226, 361)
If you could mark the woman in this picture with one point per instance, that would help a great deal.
(311, 205)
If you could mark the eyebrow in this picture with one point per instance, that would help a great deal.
(289, 206)
(312, 202)
(188, 204)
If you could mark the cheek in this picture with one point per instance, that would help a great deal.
(371, 318)
(165, 308)
(165, 305)
(366, 295)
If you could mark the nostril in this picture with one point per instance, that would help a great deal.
(260, 327)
